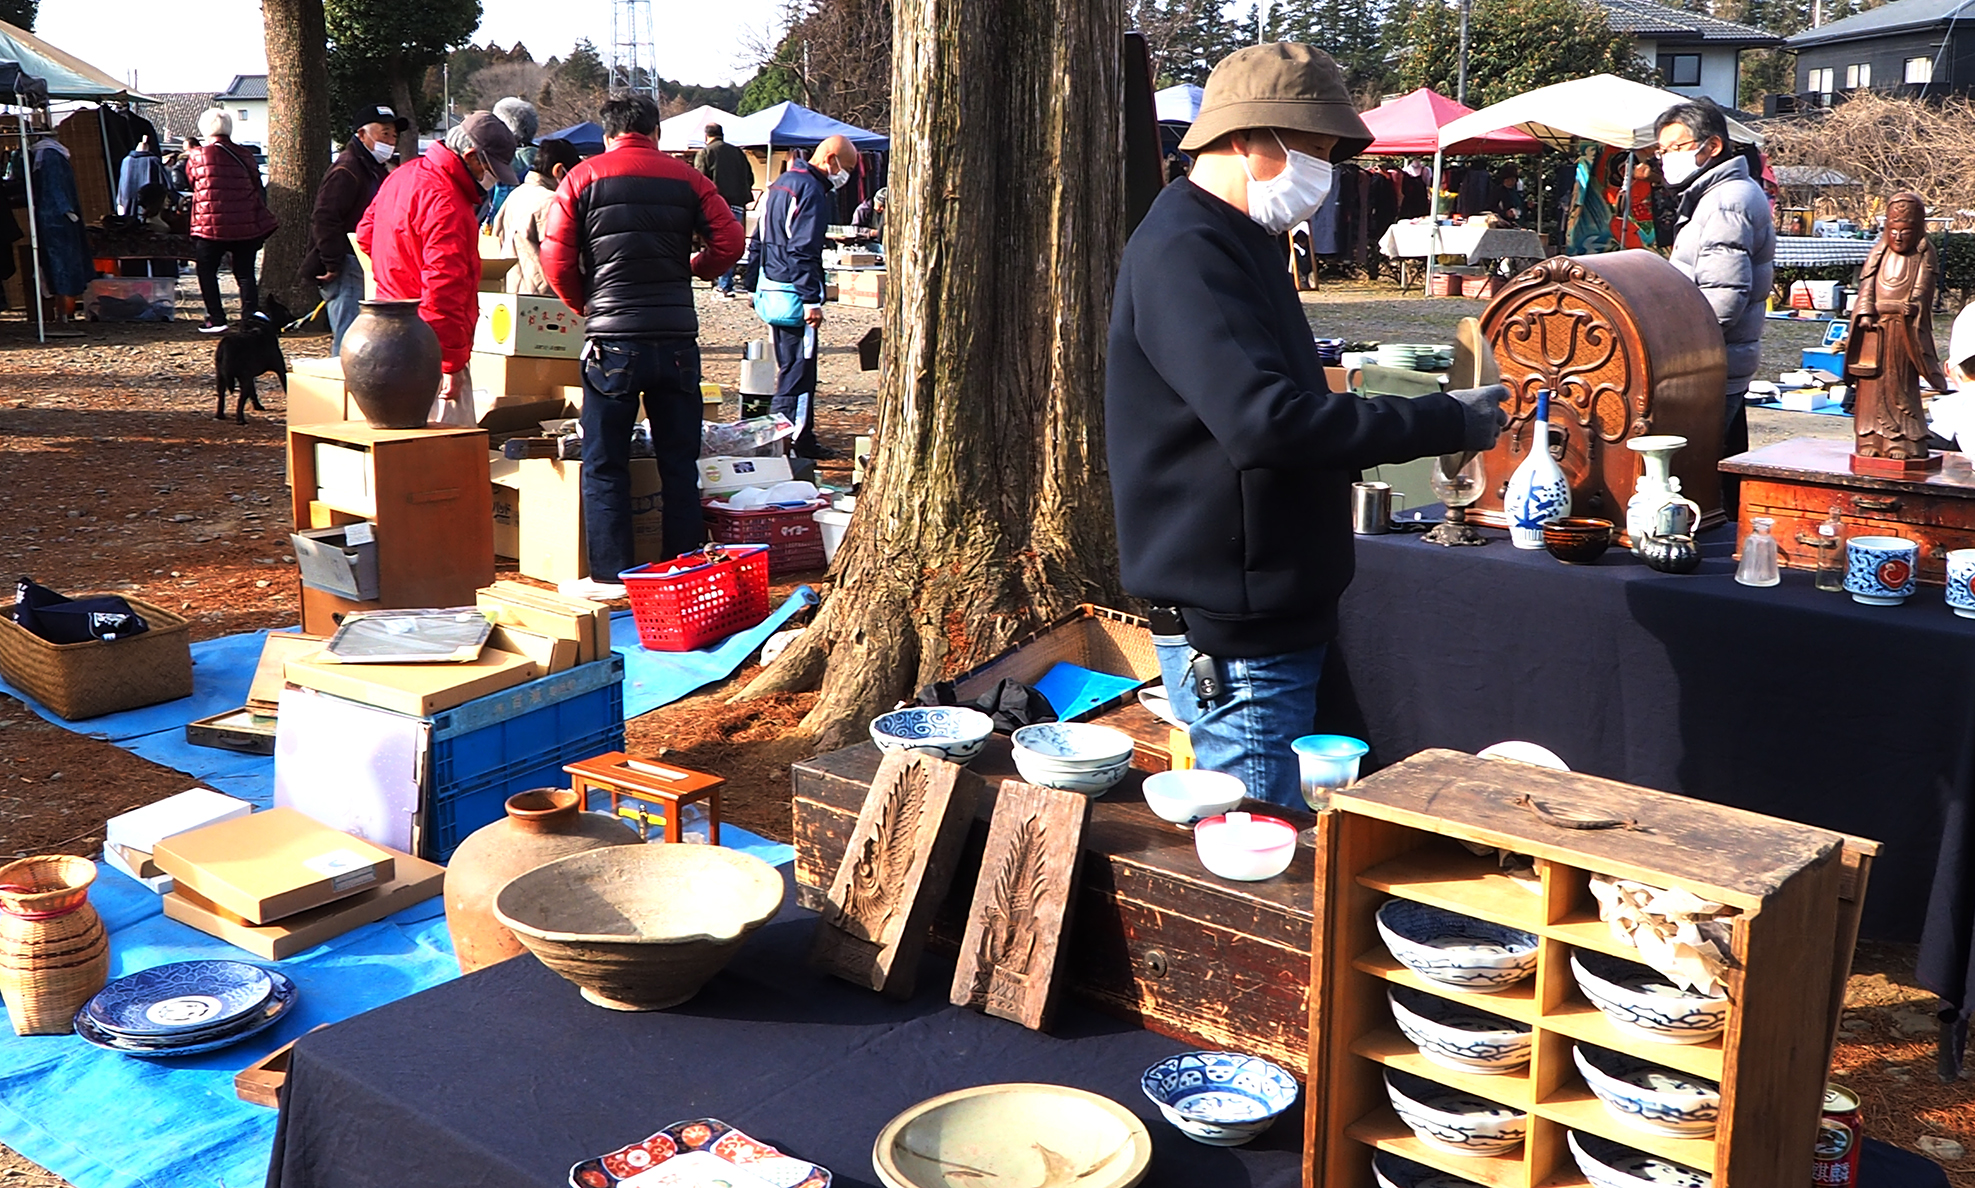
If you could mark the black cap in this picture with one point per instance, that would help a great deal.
(379, 114)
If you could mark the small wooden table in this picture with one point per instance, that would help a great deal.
(671, 788)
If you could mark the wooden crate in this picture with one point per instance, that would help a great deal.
(1092, 637)
(1153, 938)
(1398, 834)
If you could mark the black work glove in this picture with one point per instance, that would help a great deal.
(1485, 418)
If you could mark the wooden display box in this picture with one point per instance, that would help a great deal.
(1398, 834)
(1799, 482)
(1154, 938)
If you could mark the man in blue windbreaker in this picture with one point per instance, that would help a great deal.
(796, 212)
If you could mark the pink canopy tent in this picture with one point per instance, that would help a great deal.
(1411, 125)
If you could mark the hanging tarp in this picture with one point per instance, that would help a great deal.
(1410, 126)
(586, 136)
(1177, 105)
(1606, 108)
(686, 132)
(66, 76)
(791, 125)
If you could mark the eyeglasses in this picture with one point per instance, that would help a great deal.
(1680, 148)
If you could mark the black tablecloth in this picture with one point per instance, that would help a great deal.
(506, 1077)
(1785, 700)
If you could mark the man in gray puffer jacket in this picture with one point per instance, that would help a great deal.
(1725, 243)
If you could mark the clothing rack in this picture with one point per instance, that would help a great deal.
(33, 223)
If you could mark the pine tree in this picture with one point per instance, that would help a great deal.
(19, 13)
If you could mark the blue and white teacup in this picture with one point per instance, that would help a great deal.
(1881, 570)
(1961, 582)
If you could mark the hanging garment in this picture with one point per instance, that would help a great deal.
(58, 219)
(1589, 228)
(1323, 224)
(139, 169)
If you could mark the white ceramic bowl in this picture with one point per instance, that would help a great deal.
(1654, 1099)
(949, 732)
(1643, 1002)
(1614, 1165)
(1222, 1099)
(1191, 794)
(1013, 1134)
(1244, 847)
(1460, 952)
(1457, 1036)
(1091, 781)
(1450, 1120)
(1393, 1171)
(1073, 744)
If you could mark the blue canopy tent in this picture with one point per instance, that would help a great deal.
(791, 125)
(1178, 105)
(586, 136)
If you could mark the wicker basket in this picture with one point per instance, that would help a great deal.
(54, 953)
(86, 680)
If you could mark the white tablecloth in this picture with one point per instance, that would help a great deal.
(1474, 241)
(1806, 251)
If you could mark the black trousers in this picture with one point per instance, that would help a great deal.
(206, 255)
(795, 387)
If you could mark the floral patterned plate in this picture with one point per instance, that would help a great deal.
(708, 1135)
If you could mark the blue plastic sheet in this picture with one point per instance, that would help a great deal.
(653, 679)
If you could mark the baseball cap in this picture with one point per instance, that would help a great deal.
(1284, 84)
(379, 114)
(495, 140)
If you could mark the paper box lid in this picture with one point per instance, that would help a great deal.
(195, 808)
(413, 880)
(272, 864)
(418, 690)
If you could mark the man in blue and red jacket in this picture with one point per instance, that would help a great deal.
(618, 249)
(796, 212)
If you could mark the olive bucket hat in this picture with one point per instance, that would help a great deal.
(1280, 85)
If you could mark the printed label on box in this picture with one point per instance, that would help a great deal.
(344, 869)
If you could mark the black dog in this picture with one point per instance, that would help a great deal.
(248, 350)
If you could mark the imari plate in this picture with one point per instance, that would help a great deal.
(633, 1166)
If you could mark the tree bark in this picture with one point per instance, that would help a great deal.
(987, 509)
(298, 141)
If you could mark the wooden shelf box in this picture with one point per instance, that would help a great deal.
(1400, 834)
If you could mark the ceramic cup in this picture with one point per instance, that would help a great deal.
(1880, 570)
(1961, 582)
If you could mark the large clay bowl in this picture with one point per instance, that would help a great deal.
(640, 928)
(1013, 1136)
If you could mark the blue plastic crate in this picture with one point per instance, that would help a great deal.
(487, 750)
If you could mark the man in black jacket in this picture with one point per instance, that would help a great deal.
(345, 194)
(1231, 461)
(733, 176)
(793, 228)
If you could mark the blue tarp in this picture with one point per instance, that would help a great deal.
(586, 136)
(791, 125)
(1178, 105)
(653, 679)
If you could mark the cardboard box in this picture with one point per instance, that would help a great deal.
(413, 880)
(545, 611)
(272, 864)
(554, 655)
(724, 474)
(540, 379)
(521, 324)
(315, 392)
(858, 258)
(538, 515)
(496, 260)
(119, 859)
(419, 690)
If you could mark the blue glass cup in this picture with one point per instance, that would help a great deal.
(1326, 763)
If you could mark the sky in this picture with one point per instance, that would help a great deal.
(201, 47)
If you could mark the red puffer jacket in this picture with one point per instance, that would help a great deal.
(422, 238)
(226, 193)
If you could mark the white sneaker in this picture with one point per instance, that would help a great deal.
(593, 590)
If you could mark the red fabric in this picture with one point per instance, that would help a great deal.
(422, 236)
(226, 193)
(1410, 126)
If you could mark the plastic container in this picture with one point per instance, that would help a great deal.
(794, 537)
(832, 524)
(700, 598)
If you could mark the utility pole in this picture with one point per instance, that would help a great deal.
(1461, 83)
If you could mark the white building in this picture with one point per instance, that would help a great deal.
(1695, 54)
(246, 102)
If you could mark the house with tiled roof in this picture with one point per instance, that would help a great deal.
(246, 101)
(1695, 54)
(177, 117)
(1907, 47)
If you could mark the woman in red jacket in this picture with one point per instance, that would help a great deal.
(229, 216)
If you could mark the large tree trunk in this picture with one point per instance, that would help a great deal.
(988, 508)
(298, 141)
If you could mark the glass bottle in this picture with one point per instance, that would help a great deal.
(1831, 553)
(1758, 566)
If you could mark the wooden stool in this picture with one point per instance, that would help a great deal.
(672, 788)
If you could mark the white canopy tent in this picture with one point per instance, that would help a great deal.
(685, 132)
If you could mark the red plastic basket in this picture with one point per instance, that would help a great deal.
(700, 598)
(794, 539)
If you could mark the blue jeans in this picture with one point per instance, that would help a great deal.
(726, 282)
(342, 295)
(619, 376)
(1271, 701)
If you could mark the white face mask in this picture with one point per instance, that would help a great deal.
(382, 151)
(1291, 196)
(838, 180)
(1680, 166)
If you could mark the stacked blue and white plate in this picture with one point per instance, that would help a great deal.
(185, 1007)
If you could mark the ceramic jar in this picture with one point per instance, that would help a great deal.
(1673, 553)
(1655, 487)
(1537, 492)
(391, 364)
(54, 951)
(541, 826)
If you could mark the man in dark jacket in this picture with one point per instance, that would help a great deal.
(733, 176)
(618, 249)
(345, 194)
(794, 226)
(1231, 461)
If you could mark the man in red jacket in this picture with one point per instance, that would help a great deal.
(422, 236)
(618, 249)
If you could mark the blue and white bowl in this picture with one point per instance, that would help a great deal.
(1223, 1099)
(1186, 796)
(1073, 744)
(1654, 1099)
(1457, 1036)
(1614, 1165)
(946, 731)
(1093, 783)
(1460, 952)
(1394, 1171)
(1452, 1120)
(1645, 1003)
(182, 998)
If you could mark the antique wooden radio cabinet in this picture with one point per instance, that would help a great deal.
(1628, 348)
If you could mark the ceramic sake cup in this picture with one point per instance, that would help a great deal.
(1961, 582)
(1881, 570)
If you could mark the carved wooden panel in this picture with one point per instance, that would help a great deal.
(1628, 347)
(1022, 903)
(895, 871)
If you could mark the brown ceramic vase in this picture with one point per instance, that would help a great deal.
(541, 826)
(391, 364)
(54, 952)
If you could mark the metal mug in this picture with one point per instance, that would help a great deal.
(1371, 508)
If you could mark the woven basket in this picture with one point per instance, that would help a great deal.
(54, 954)
(86, 680)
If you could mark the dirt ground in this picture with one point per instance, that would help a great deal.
(115, 476)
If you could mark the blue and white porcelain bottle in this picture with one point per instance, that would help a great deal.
(1538, 491)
